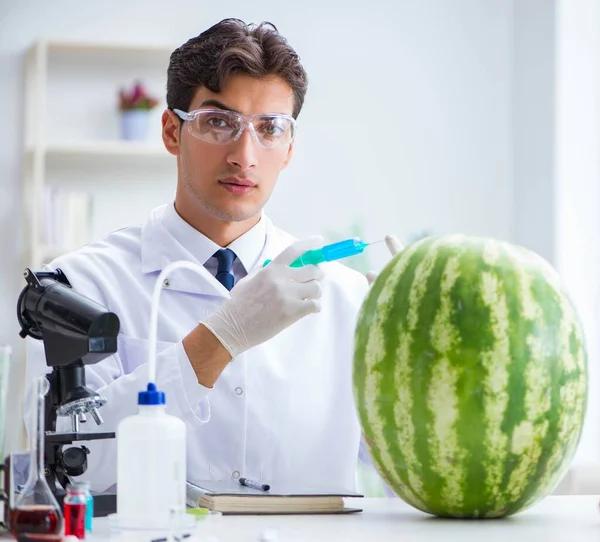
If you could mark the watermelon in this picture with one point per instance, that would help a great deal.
(469, 376)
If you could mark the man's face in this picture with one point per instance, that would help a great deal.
(230, 182)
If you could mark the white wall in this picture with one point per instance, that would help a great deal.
(556, 171)
(407, 123)
(577, 185)
(533, 125)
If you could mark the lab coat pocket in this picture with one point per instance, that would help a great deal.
(134, 352)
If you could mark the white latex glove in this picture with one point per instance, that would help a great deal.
(268, 300)
(394, 246)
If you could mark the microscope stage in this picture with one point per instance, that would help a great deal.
(71, 437)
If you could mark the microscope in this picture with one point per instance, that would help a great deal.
(76, 332)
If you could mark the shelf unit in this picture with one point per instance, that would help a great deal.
(104, 149)
(72, 130)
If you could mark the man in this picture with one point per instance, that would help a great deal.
(256, 361)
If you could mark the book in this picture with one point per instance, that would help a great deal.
(230, 497)
(66, 218)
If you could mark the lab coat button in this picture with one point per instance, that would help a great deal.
(166, 283)
(235, 474)
(239, 391)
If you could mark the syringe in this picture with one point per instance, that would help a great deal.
(328, 253)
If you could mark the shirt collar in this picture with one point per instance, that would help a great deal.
(247, 247)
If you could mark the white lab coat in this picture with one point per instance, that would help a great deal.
(282, 411)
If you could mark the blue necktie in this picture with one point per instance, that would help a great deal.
(225, 258)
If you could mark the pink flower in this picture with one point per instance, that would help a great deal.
(138, 98)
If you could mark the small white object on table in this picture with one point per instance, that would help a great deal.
(556, 519)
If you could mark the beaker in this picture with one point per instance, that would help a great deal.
(36, 515)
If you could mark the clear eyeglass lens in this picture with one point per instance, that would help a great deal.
(222, 127)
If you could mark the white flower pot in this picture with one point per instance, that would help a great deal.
(135, 124)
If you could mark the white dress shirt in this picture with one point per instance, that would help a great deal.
(282, 411)
(247, 248)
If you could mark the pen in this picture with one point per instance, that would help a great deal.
(186, 535)
(254, 485)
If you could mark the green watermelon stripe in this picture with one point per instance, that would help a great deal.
(530, 409)
(527, 436)
(375, 350)
(497, 361)
(465, 359)
(378, 363)
(412, 435)
(558, 311)
(553, 313)
(495, 383)
(447, 457)
(518, 329)
(569, 351)
(538, 265)
(363, 327)
(423, 358)
(571, 397)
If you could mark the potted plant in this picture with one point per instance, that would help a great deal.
(135, 107)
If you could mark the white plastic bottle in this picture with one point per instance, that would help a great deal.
(151, 464)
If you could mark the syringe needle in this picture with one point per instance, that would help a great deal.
(375, 242)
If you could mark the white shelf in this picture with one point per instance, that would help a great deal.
(108, 47)
(71, 131)
(105, 149)
(56, 46)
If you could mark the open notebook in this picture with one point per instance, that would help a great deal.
(229, 497)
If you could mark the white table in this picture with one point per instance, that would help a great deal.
(557, 518)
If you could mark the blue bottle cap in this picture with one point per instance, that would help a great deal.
(152, 396)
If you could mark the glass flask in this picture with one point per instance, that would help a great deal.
(36, 515)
